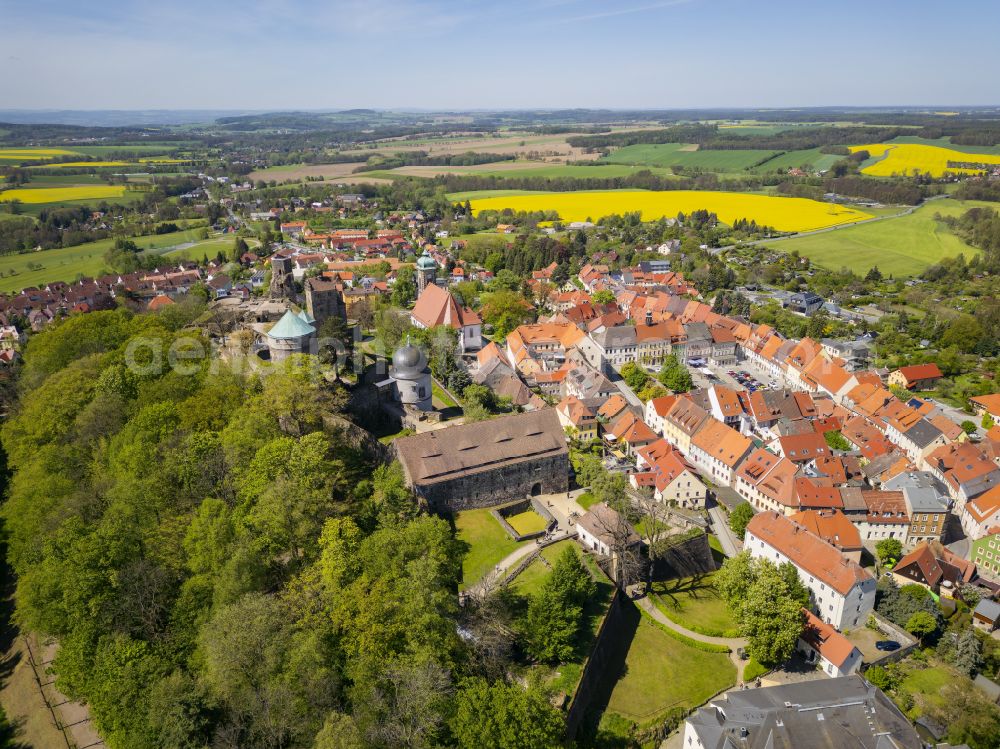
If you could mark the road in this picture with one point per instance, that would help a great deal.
(731, 546)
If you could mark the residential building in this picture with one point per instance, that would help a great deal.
(916, 376)
(932, 565)
(965, 470)
(843, 592)
(656, 411)
(981, 516)
(987, 404)
(601, 529)
(824, 646)
(578, 417)
(985, 554)
(717, 451)
(669, 476)
(804, 302)
(835, 528)
(767, 481)
(681, 423)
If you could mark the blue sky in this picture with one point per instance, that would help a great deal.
(327, 54)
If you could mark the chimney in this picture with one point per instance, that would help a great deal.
(649, 317)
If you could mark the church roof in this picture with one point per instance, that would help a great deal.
(438, 307)
(290, 326)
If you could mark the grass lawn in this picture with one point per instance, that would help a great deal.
(442, 398)
(662, 673)
(527, 522)
(927, 683)
(903, 246)
(530, 580)
(585, 500)
(693, 603)
(488, 544)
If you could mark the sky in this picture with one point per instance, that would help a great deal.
(467, 54)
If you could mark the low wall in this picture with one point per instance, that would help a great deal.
(526, 562)
(502, 512)
(904, 638)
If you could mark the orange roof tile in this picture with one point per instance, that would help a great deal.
(807, 551)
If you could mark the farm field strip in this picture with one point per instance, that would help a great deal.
(686, 155)
(60, 194)
(784, 214)
(905, 158)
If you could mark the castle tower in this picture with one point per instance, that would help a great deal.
(412, 376)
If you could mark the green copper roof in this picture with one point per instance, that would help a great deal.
(306, 317)
(291, 326)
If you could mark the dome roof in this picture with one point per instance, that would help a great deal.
(290, 326)
(426, 262)
(408, 360)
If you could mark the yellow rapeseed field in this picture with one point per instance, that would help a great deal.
(784, 214)
(905, 158)
(24, 154)
(59, 194)
(68, 164)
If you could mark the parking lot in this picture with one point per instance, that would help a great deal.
(741, 376)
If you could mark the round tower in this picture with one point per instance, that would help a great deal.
(413, 377)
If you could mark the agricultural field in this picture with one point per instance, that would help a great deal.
(686, 155)
(903, 246)
(809, 159)
(301, 171)
(67, 263)
(889, 159)
(784, 214)
(523, 169)
(62, 194)
(17, 155)
(80, 165)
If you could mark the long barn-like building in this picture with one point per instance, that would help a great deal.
(488, 462)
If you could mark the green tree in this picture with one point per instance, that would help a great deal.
(404, 291)
(504, 310)
(339, 731)
(604, 296)
(889, 550)
(674, 375)
(504, 716)
(921, 624)
(634, 375)
(735, 577)
(739, 518)
(555, 612)
(770, 618)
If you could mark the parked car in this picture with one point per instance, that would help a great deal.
(887, 645)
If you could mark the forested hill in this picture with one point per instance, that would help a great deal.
(218, 570)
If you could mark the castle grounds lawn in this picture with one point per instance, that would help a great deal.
(530, 580)
(488, 544)
(663, 673)
(527, 522)
(585, 500)
(693, 603)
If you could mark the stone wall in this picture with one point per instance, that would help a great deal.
(685, 558)
(604, 666)
(516, 508)
(505, 483)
